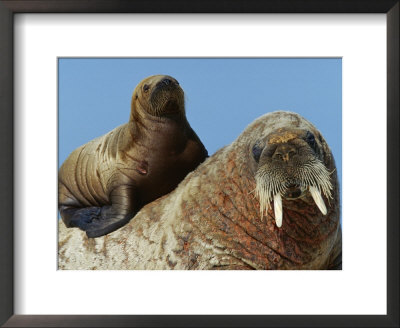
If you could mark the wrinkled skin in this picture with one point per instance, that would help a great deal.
(212, 219)
(105, 182)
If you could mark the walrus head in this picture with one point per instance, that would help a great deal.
(289, 163)
(159, 95)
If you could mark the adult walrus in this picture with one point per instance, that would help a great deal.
(103, 183)
(270, 200)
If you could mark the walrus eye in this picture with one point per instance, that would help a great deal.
(146, 88)
(311, 139)
(257, 150)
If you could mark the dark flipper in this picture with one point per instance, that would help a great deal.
(96, 221)
(104, 225)
(99, 221)
(79, 217)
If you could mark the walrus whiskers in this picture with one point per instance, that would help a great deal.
(160, 101)
(271, 184)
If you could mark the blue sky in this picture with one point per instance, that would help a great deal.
(222, 95)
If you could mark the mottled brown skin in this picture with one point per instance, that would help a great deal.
(103, 183)
(212, 219)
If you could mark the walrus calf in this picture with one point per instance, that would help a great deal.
(270, 200)
(103, 183)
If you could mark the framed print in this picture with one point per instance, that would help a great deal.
(234, 62)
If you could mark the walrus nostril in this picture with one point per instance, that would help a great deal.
(166, 81)
(284, 152)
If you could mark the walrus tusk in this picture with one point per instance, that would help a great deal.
(278, 209)
(316, 195)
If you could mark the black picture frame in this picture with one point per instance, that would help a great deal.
(11, 7)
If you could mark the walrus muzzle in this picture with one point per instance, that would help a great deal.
(290, 165)
(167, 97)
